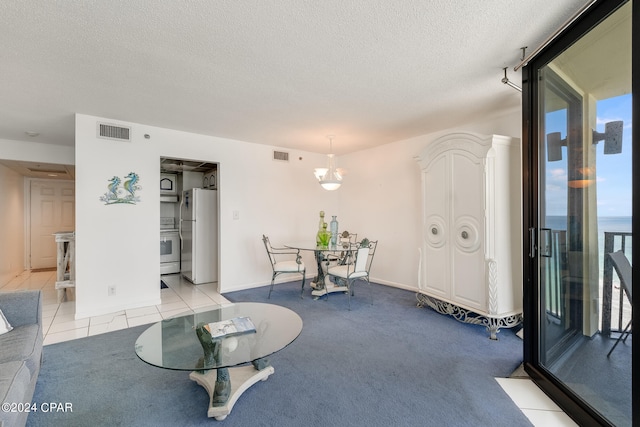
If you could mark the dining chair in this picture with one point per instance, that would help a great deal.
(357, 270)
(282, 262)
(345, 241)
(623, 269)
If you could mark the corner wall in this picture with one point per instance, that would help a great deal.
(11, 224)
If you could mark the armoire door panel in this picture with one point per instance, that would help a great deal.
(436, 229)
(468, 285)
(436, 180)
(467, 185)
(437, 278)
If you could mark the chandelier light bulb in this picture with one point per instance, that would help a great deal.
(329, 178)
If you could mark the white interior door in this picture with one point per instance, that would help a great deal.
(52, 210)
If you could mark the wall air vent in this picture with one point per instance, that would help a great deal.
(282, 156)
(119, 133)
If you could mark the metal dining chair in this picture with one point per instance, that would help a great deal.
(345, 242)
(358, 270)
(282, 262)
(623, 269)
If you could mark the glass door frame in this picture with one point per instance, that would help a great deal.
(569, 401)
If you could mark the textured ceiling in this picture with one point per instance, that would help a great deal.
(285, 72)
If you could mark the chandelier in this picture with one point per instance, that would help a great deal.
(329, 178)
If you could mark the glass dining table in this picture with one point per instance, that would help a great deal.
(322, 284)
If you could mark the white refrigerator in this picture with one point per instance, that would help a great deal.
(199, 235)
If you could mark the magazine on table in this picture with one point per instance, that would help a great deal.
(235, 326)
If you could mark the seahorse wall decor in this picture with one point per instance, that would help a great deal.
(115, 194)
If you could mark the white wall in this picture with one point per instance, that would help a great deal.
(119, 244)
(11, 224)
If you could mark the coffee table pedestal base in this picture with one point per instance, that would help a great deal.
(241, 378)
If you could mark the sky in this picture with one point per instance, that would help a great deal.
(613, 171)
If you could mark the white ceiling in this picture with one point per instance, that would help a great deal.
(285, 72)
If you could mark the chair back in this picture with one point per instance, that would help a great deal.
(368, 258)
(362, 256)
(267, 245)
(347, 239)
(623, 268)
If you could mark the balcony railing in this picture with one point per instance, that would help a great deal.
(555, 272)
(616, 309)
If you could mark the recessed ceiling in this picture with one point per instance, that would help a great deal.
(182, 165)
(40, 170)
(284, 73)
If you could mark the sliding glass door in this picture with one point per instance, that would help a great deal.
(578, 151)
(563, 277)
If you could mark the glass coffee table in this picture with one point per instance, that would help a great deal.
(224, 366)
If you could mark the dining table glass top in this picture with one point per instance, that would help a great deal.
(312, 246)
(174, 344)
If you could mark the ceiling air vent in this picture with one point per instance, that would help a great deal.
(119, 133)
(282, 156)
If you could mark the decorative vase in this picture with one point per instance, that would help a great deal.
(321, 227)
(333, 226)
(323, 237)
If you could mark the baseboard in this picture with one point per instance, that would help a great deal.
(40, 270)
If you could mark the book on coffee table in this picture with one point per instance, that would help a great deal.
(235, 326)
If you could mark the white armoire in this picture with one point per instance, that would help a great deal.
(471, 254)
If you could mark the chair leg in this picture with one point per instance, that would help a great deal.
(627, 333)
(271, 288)
(350, 291)
(304, 275)
(324, 286)
(620, 338)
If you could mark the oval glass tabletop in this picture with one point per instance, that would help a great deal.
(174, 343)
(312, 246)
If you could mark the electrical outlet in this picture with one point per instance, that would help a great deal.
(111, 290)
(236, 214)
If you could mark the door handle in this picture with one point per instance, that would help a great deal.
(532, 242)
(545, 246)
(543, 241)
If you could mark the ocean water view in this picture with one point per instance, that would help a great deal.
(605, 223)
(613, 224)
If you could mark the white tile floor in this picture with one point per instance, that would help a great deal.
(59, 325)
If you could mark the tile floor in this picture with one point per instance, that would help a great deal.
(181, 296)
(59, 323)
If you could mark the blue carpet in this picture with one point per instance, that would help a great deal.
(385, 364)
